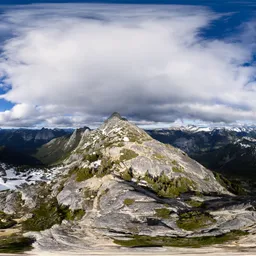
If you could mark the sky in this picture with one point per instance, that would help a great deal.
(71, 64)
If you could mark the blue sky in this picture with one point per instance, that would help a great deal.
(192, 61)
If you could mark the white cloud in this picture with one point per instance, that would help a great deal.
(21, 114)
(75, 64)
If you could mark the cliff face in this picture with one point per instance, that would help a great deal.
(117, 184)
(59, 148)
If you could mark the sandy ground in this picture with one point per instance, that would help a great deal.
(9, 231)
(147, 251)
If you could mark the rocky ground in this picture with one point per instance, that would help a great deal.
(148, 252)
(118, 188)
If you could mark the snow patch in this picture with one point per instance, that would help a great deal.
(95, 164)
(126, 139)
(244, 145)
(13, 178)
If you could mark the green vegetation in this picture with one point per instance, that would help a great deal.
(105, 192)
(105, 167)
(174, 162)
(54, 152)
(6, 221)
(89, 194)
(194, 220)
(127, 175)
(194, 203)
(92, 158)
(194, 242)
(178, 169)
(135, 136)
(83, 174)
(49, 214)
(163, 213)
(127, 154)
(108, 142)
(74, 215)
(163, 186)
(7, 224)
(86, 173)
(159, 156)
(233, 187)
(15, 244)
(207, 178)
(198, 194)
(128, 201)
(44, 217)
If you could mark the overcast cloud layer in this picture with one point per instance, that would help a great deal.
(73, 65)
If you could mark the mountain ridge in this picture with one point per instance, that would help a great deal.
(231, 152)
(205, 128)
(27, 140)
(119, 186)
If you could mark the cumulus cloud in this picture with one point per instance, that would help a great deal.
(73, 65)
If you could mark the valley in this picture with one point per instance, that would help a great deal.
(229, 151)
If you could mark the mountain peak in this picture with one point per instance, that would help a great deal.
(82, 129)
(116, 115)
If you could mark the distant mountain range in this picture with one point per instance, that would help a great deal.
(18, 146)
(116, 185)
(229, 150)
(27, 140)
(195, 128)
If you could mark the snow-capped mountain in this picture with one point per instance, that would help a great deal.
(195, 128)
(227, 149)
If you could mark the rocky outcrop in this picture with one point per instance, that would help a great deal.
(119, 185)
(228, 151)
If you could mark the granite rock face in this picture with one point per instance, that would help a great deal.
(118, 182)
(228, 150)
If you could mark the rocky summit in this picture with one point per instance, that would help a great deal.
(116, 185)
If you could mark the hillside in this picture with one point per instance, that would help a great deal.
(27, 140)
(118, 186)
(18, 146)
(228, 151)
(59, 148)
(16, 158)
